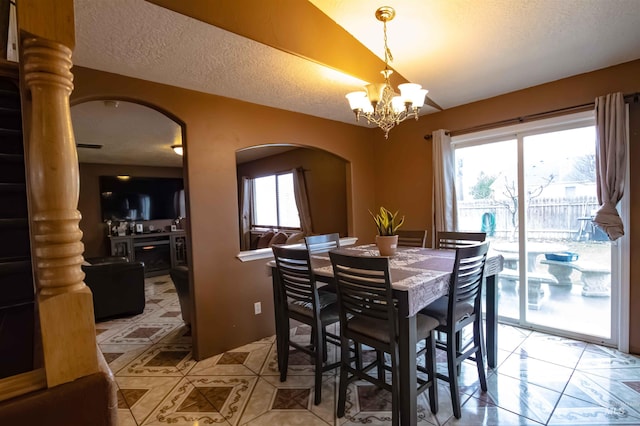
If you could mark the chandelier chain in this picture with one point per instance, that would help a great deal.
(388, 57)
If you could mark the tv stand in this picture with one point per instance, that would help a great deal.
(159, 251)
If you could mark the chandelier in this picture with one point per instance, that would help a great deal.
(380, 104)
(177, 149)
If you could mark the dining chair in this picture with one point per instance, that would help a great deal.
(453, 240)
(322, 243)
(411, 238)
(299, 299)
(462, 306)
(368, 316)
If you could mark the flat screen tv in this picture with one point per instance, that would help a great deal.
(141, 198)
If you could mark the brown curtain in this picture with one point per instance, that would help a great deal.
(302, 201)
(611, 157)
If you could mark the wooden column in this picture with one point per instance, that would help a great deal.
(64, 301)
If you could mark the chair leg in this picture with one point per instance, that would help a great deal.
(358, 354)
(324, 344)
(320, 356)
(285, 353)
(453, 377)
(478, 340)
(395, 386)
(458, 349)
(430, 364)
(344, 365)
(380, 364)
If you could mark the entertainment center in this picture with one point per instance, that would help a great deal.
(131, 207)
(159, 251)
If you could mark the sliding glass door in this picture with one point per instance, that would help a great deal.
(532, 190)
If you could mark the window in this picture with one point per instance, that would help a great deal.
(532, 189)
(274, 202)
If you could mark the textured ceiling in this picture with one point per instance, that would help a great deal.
(129, 133)
(461, 50)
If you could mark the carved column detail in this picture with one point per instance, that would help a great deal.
(65, 302)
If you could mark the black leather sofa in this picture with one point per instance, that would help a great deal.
(117, 286)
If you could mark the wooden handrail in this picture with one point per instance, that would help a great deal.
(21, 384)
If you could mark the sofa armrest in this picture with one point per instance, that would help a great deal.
(117, 288)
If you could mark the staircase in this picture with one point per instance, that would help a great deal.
(16, 278)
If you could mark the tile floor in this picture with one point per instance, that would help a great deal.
(541, 380)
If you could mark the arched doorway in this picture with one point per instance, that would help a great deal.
(325, 182)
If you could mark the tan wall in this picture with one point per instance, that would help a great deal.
(325, 176)
(225, 289)
(93, 229)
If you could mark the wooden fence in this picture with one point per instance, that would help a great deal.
(547, 218)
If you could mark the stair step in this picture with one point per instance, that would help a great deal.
(14, 222)
(11, 158)
(13, 187)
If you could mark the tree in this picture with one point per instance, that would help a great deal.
(583, 169)
(482, 189)
(511, 203)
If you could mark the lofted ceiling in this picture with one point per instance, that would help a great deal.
(460, 50)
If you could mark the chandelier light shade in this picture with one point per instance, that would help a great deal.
(177, 149)
(379, 103)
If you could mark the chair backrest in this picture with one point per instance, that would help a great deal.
(322, 243)
(363, 286)
(297, 281)
(466, 280)
(453, 240)
(408, 238)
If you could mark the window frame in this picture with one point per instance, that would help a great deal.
(256, 226)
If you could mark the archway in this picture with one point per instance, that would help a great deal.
(325, 176)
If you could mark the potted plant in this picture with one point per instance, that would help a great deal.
(387, 224)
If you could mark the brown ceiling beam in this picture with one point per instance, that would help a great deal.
(292, 26)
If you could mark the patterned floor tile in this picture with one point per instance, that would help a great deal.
(481, 412)
(468, 381)
(105, 331)
(204, 400)
(181, 334)
(118, 356)
(161, 384)
(366, 404)
(532, 370)
(125, 418)
(552, 349)
(511, 337)
(575, 411)
(141, 395)
(301, 418)
(606, 358)
(245, 360)
(140, 333)
(169, 313)
(520, 397)
(292, 398)
(617, 394)
(163, 359)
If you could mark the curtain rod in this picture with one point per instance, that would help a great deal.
(629, 98)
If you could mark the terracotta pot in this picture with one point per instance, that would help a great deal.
(387, 244)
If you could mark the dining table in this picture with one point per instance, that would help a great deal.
(419, 276)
